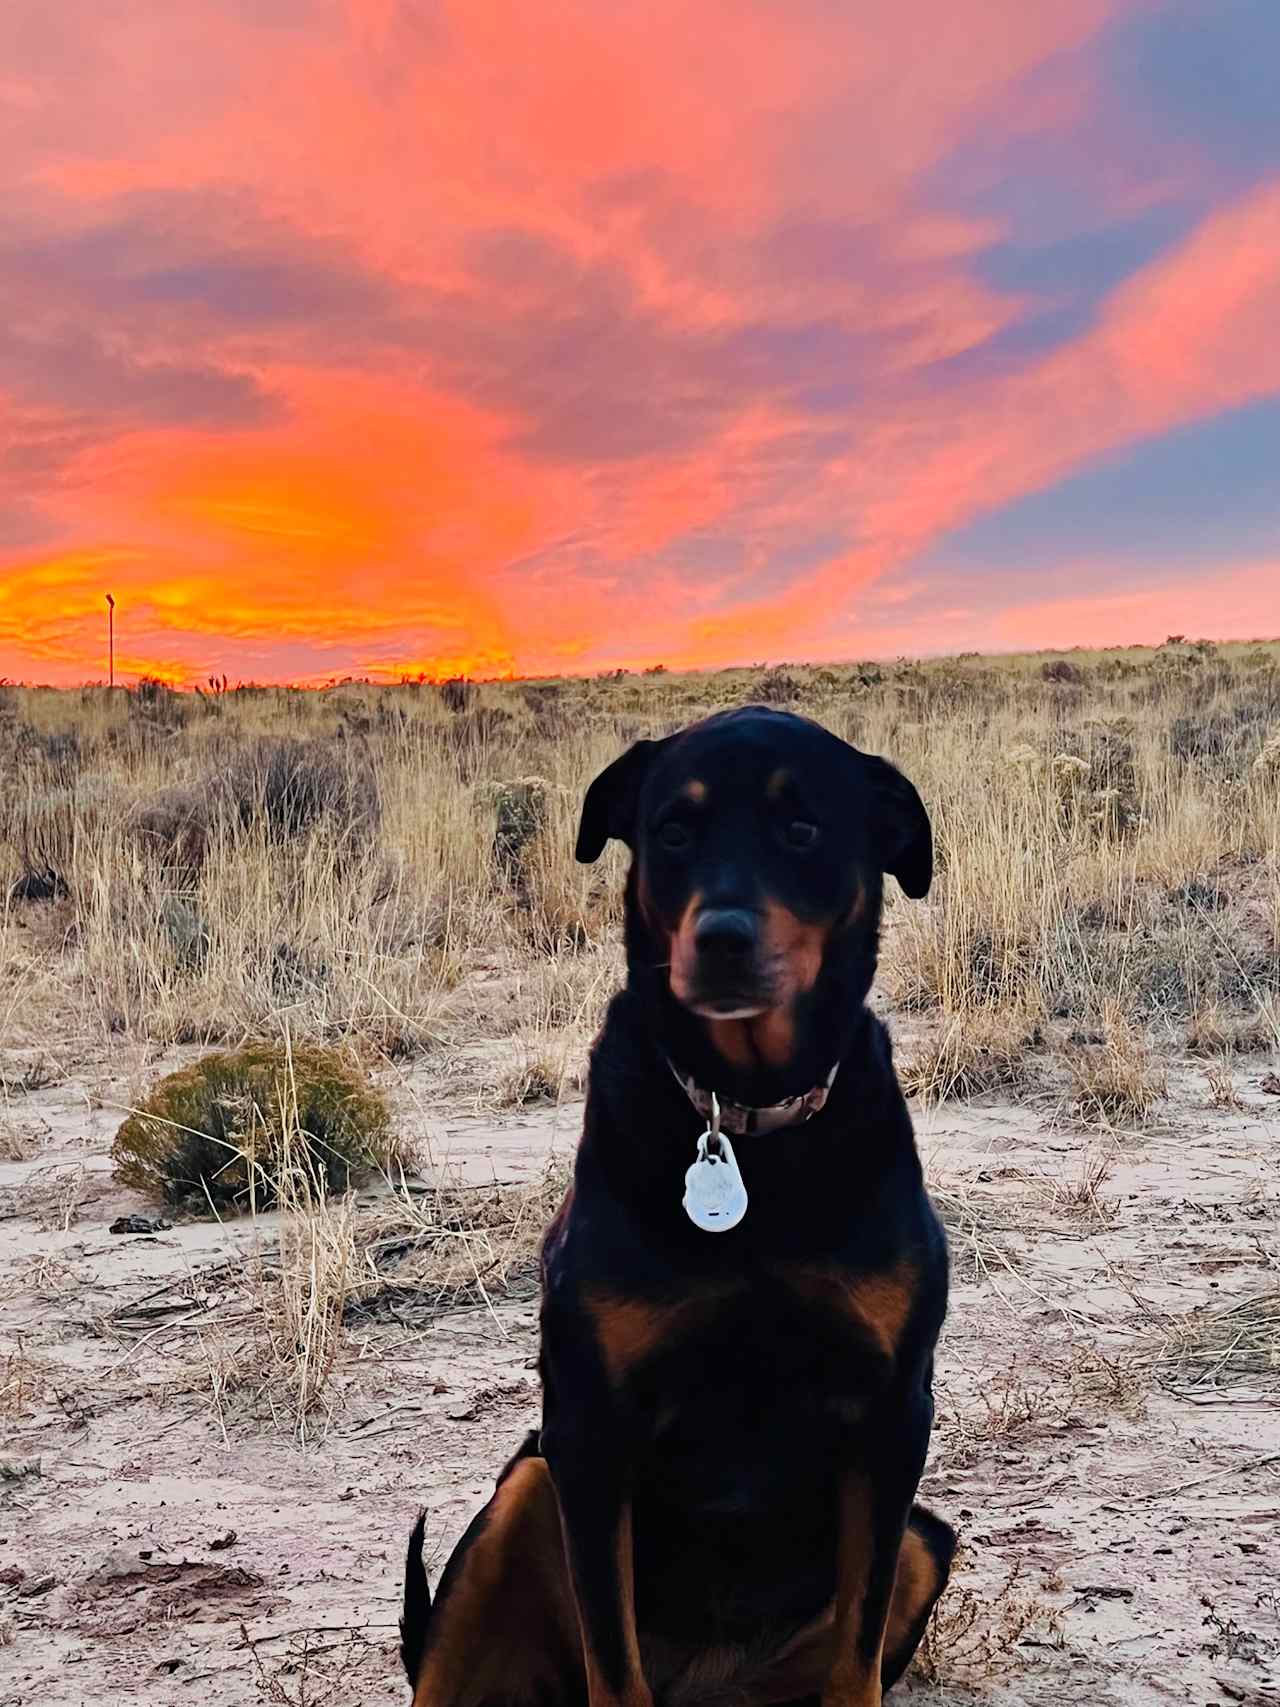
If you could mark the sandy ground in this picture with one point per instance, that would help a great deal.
(1121, 1527)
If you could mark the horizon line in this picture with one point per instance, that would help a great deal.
(217, 684)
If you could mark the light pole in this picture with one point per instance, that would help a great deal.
(111, 641)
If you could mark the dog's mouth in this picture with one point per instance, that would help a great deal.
(752, 993)
(734, 1006)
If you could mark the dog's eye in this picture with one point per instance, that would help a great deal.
(800, 833)
(674, 835)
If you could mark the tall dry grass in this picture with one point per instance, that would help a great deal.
(370, 864)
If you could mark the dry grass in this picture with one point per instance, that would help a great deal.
(1116, 1381)
(982, 1227)
(542, 1074)
(973, 1634)
(268, 1336)
(1214, 1031)
(1222, 1087)
(22, 1381)
(16, 1145)
(360, 860)
(269, 1330)
(303, 1305)
(30, 1075)
(50, 1196)
(1033, 1397)
(316, 1669)
(972, 1054)
(455, 1247)
(276, 1343)
(1079, 1195)
(1230, 1345)
(1012, 1406)
(1116, 1083)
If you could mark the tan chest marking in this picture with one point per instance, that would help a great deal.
(879, 1305)
(630, 1330)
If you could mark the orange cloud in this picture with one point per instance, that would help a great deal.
(345, 525)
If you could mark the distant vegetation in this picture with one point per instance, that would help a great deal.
(189, 868)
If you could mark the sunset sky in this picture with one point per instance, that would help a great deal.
(382, 336)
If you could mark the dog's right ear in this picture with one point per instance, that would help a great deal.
(612, 801)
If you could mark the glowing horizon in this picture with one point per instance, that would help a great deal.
(376, 339)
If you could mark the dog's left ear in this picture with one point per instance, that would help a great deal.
(901, 833)
(612, 801)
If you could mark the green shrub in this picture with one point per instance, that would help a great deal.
(520, 806)
(221, 1131)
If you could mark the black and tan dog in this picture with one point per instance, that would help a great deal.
(736, 1368)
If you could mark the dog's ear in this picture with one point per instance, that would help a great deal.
(902, 837)
(612, 800)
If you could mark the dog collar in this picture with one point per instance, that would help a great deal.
(739, 1118)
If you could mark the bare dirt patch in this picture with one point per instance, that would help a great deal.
(1106, 1440)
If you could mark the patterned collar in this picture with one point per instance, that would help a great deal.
(738, 1118)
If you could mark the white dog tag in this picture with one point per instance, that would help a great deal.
(715, 1198)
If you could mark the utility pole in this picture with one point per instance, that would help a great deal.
(111, 641)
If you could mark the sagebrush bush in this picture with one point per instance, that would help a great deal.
(457, 694)
(215, 1134)
(173, 829)
(1061, 670)
(519, 808)
(778, 687)
(292, 788)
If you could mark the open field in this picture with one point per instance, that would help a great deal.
(213, 1440)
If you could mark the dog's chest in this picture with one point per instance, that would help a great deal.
(744, 1396)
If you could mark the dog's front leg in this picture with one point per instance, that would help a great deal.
(588, 1464)
(875, 1495)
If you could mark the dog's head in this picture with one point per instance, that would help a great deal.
(760, 841)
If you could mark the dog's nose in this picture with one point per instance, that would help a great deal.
(725, 935)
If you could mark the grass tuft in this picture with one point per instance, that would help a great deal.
(1222, 1346)
(1116, 1082)
(971, 1055)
